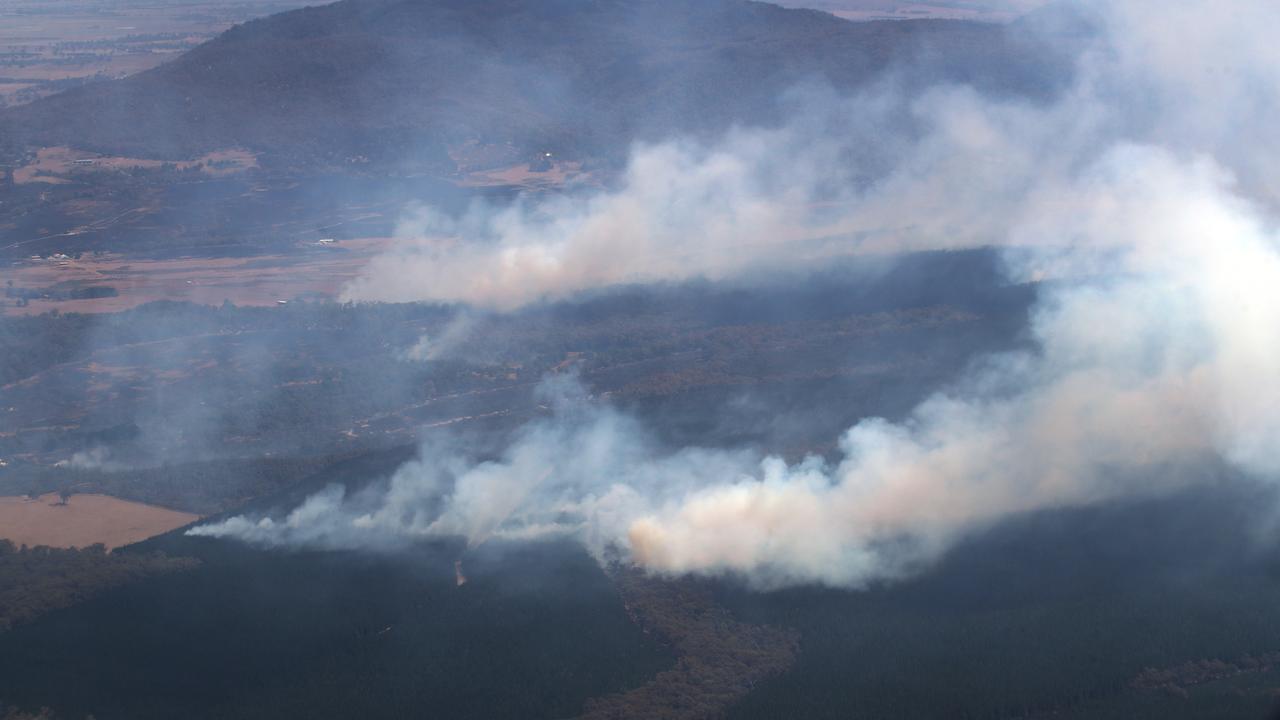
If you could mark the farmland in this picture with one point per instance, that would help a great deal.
(50, 45)
(82, 520)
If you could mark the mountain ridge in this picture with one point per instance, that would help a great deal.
(395, 83)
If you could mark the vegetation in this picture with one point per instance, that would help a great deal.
(718, 659)
(1177, 679)
(24, 296)
(252, 634)
(11, 713)
(203, 488)
(1091, 614)
(296, 73)
(1054, 615)
(34, 581)
(1058, 615)
(186, 386)
(1249, 694)
(349, 106)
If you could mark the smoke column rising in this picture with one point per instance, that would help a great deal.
(1142, 198)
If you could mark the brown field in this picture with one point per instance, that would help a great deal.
(84, 520)
(53, 164)
(105, 66)
(49, 40)
(521, 176)
(264, 280)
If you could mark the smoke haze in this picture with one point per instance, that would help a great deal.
(1141, 198)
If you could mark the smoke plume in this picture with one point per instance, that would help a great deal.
(1142, 199)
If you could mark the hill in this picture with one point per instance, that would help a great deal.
(416, 84)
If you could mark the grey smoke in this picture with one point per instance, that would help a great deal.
(444, 344)
(97, 457)
(1143, 198)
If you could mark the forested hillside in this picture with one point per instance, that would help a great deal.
(404, 82)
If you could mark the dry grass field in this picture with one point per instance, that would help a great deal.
(52, 164)
(84, 520)
(521, 176)
(45, 44)
(313, 271)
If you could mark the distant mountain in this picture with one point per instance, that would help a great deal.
(403, 82)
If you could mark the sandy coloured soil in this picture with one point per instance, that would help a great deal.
(84, 520)
(59, 161)
(46, 40)
(520, 175)
(254, 281)
(9, 88)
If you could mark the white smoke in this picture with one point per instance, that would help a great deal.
(1165, 361)
(1143, 197)
(444, 344)
(579, 471)
(683, 211)
(95, 458)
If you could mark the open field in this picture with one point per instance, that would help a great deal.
(53, 162)
(526, 178)
(313, 271)
(84, 520)
(50, 45)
